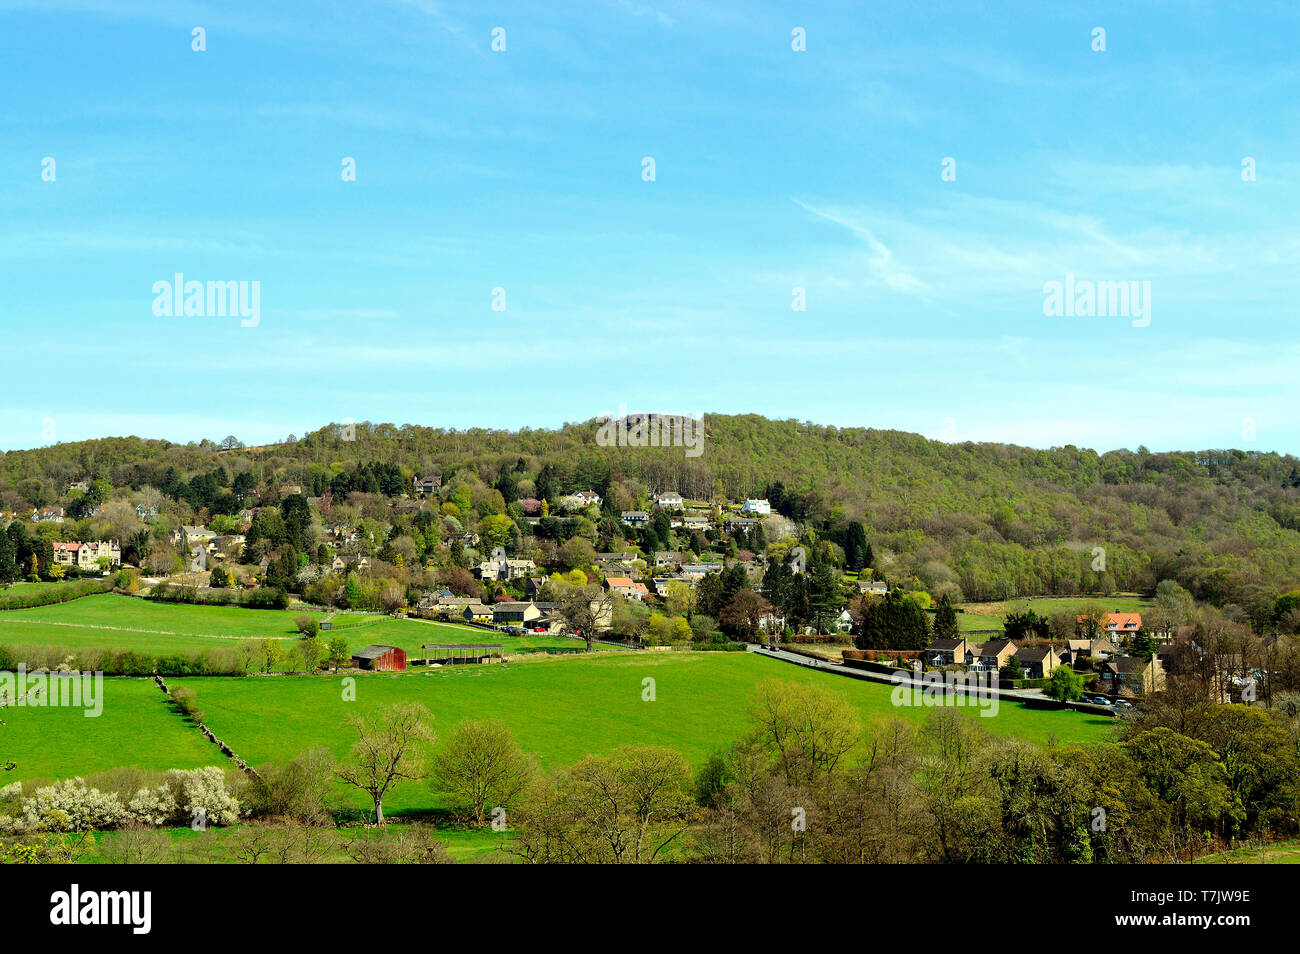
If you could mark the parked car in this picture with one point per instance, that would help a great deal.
(1100, 701)
(1123, 704)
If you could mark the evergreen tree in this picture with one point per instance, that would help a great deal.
(856, 547)
(823, 592)
(8, 566)
(945, 619)
(778, 586)
(893, 623)
(1141, 644)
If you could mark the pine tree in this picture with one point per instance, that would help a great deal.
(945, 619)
(823, 588)
(856, 547)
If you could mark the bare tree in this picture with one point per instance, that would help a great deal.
(391, 746)
(584, 608)
(136, 845)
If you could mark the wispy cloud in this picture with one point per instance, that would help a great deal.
(881, 262)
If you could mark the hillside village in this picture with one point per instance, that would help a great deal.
(620, 563)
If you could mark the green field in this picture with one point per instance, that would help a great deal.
(991, 615)
(561, 708)
(136, 727)
(113, 621)
(1280, 853)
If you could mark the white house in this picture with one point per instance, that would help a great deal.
(669, 501)
(754, 505)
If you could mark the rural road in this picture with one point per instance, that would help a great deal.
(808, 663)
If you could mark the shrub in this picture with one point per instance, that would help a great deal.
(202, 792)
(267, 598)
(152, 806)
(25, 597)
(187, 701)
(70, 805)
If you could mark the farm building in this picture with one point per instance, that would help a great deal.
(380, 659)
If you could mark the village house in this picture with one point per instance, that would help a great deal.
(697, 571)
(736, 524)
(426, 485)
(475, 613)
(995, 654)
(1138, 674)
(516, 614)
(506, 569)
(1074, 651)
(1102, 646)
(660, 584)
(664, 558)
(551, 622)
(695, 521)
(1116, 625)
(669, 501)
(47, 515)
(1038, 663)
(874, 587)
(193, 534)
(86, 555)
(755, 505)
(947, 652)
(448, 602)
(145, 513)
(635, 518)
(626, 586)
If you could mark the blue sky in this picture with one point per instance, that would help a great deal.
(774, 169)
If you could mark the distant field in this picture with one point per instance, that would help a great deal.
(561, 708)
(991, 615)
(1282, 853)
(113, 621)
(137, 727)
(27, 588)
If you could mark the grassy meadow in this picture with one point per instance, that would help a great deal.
(110, 620)
(991, 615)
(137, 727)
(561, 708)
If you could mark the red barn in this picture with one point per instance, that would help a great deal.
(380, 659)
